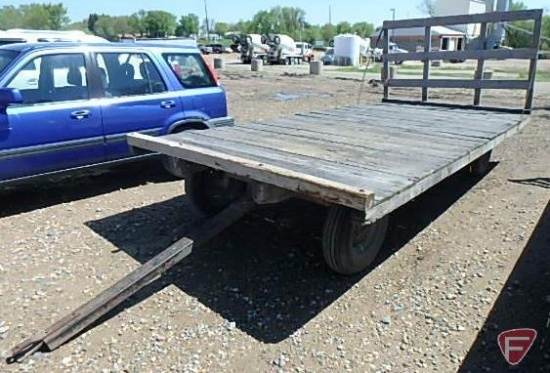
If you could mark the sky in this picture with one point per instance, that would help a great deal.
(317, 11)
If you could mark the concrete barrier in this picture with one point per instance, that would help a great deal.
(219, 63)
(392, 73)
(487, 75)
(315, 67)
(257, 65)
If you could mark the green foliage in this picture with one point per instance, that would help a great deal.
(188, 25)
(137, 22)
(363, 29)
(343, 28)
(221, 28)
(328, 32)
(10, 17)
(159, 23)
(35, 16)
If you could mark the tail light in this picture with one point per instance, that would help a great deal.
(211, 70)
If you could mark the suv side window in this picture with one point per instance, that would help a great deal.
(128, 74)
(52, 78)
(190, 69)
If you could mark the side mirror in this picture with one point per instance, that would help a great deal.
(9, 96)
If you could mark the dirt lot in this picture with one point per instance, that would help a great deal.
(465, 261)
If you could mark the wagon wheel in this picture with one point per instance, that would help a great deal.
(349, 245)
(480, 166)
(211, 191)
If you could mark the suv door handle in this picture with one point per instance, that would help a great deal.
(167, 104)
(80, 114)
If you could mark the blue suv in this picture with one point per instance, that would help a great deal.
(65, 106)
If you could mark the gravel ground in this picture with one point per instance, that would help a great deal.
(466, 260)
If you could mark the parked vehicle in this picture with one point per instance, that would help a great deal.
(12, 36)
(282, 50)
(251, 46)
(66, 106)
(306, 51)
(394, 48)
(216, 48)
(328, 57)
(204, 49)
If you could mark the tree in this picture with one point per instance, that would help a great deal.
(312, 33)
(34, 16)
(137, 22)
(327, 32)
(78, 26)
(159, 23)
(92, 20)
(284, 20)
(546, 31)
(57, 15)
(343, 28)
(221, 28)
(188, 25)
(427, 7)
(10, 17)
(363, 29)
(104, 26)
(515, 37)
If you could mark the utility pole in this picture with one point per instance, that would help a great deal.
(330, 14)
(207, 22)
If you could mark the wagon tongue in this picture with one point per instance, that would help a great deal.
(83, 317)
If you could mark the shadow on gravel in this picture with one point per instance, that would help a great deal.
(543, 182)
(62, 189)
(265, 273)
(523, 303)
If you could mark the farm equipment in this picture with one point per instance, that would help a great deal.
(361, 161)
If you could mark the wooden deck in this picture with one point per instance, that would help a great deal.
(369, 157)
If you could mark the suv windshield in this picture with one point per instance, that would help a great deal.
(6, 57)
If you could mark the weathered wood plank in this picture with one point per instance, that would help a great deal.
(492, 17)
(381, 183)
(412, 126)
(285, 178)
(533, 65)
(422, 114)
(413, 190)
(459, 83)
(371, 159)
(447, 118)
(480, 64)
(365, 131)
(386, 63)
(467, 111)
(426, 61)
(520, 53)
(411, 145)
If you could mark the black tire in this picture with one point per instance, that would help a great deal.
(349, 246)
(480, 166)
(172, 164)
(210, 191)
